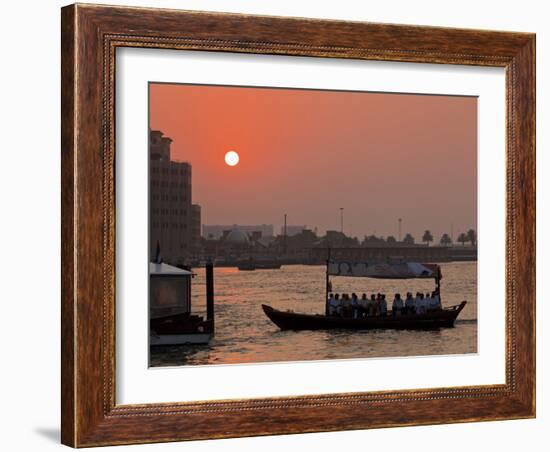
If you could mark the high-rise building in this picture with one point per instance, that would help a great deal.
(172, 216)
(195, 224)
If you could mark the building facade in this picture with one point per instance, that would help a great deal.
(173, 218)
(217, 231)
(195, 225)
(292, 230)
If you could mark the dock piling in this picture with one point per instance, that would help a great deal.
(210, 292)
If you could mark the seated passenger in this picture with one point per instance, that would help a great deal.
(434, 302)
(420, 304)
(425, 304)
(397, 305)
(338, 305)
(346, 305)
(377, 304)
(354, 305)
(371, 306)
(363, 305)
(427, 298)
(383, 306)
(416, 302)
(409, 304)
(331, 305)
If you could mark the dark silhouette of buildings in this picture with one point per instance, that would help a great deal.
(174, 221)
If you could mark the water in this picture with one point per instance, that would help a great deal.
(245, 335)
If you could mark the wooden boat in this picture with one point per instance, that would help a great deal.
(287, 320)
(179, 339)
(170, 319)
(179, 329)
(438, 318)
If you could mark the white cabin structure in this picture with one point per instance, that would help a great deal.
(169, 290)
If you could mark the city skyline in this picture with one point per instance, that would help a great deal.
(453, 233)
(380, 156)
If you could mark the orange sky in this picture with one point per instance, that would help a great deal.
(307, 153)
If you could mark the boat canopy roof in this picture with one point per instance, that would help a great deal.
(388, 270)
(167, 270)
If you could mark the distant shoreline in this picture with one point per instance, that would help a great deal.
(235, 264)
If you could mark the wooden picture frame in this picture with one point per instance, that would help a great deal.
(90, 36)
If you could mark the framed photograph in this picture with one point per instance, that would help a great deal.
(282, 225)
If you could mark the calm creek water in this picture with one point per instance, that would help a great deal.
(244, 334)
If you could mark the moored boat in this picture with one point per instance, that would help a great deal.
(171, 321)
(179, 329)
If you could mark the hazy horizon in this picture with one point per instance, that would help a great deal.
(307, 153)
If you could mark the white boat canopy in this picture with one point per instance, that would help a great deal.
(390, 270)
(167, 270)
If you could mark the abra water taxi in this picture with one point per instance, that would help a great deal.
(437, 318)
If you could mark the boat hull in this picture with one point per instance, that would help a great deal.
(180, 339)
(443, 318)
(179, 329)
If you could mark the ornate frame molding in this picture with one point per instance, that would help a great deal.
(90, 37)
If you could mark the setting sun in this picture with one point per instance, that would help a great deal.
(231, 158)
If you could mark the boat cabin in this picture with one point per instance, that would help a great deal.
(169, 290)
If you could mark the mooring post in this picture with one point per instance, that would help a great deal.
(210, 292)
(328, 287)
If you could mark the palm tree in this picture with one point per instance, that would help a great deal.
(427, 237)
(471, 237)
(462, 238)
(408, 239)
(391, 240)
(445, 240)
